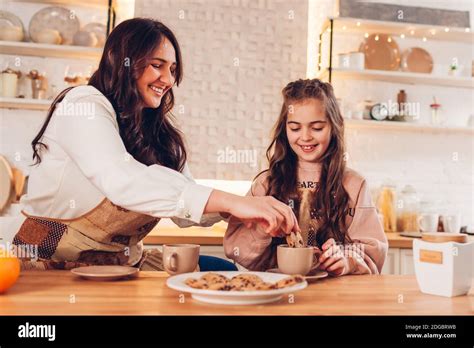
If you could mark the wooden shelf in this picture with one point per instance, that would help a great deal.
(404, 126)
(23, 103)
(88, 3)
(410, 30)
(399, 77)
(47, 50)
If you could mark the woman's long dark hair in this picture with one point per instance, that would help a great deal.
(148, 134)
(331, 201)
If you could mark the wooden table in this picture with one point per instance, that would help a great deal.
(51, 292)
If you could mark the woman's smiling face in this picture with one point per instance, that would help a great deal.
(159, 76)
(308, 130)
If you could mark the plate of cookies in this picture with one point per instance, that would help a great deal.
(236, 288)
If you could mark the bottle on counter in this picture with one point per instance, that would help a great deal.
(386, 206)
(408, 206)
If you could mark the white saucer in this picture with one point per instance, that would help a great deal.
(105, 272)
(313, 275)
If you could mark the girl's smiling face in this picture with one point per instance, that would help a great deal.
(159, 76)
(308, 130)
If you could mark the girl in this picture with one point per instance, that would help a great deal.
(307, 171)
(111, 162)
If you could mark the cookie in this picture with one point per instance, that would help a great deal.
(214, 277)
(289, 281)
(295, 240)
(196, 283)
(240, 282)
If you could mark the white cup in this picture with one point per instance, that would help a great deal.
(344, 61)
(428, 222)
(356, 60)
(452, 223)
(9, 85)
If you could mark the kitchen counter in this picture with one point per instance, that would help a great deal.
(214, 236)
(49, 293)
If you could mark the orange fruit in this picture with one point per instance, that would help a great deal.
(9, 270)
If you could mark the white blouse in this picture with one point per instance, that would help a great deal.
(87, 161)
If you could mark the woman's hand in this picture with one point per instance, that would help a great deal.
(332, 258)
(276, 217)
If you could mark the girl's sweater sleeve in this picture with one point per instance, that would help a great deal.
(250, 247)
(368, 251)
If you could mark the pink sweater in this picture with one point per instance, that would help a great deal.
(256, 250)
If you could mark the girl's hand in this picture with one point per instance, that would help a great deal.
(316, 255)
(277, 218)
(332, 259)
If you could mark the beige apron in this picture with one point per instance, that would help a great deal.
(106, 235)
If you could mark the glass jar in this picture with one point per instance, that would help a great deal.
(386, 206)
(408, 207)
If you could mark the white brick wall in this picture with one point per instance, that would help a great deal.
(238, 55)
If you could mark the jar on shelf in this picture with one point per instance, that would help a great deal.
(436, 113)
(408, 207)
(386, 205)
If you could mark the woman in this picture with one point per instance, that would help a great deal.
(110, 162)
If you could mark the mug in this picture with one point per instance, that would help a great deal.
(452, 223)
(294, 260)
(428, 222)
(356, 60)
(180, 258)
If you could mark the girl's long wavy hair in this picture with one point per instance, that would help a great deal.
(149, 134)
(331, 200)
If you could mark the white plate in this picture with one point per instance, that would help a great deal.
(105, 272)
(177, 283)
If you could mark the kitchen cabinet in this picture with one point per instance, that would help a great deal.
(392, 263)
(406, 262)
(399, 262)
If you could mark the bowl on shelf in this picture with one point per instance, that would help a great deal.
(49, 36)
(11, 27)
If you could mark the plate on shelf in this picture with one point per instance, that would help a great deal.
(54, 18)
(177, 283)
(105, 272)
(100, 31)
(381, 52)
(417, 60)
(11, 27)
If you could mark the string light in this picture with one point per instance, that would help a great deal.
(424, 39)
(402, 36)
(412, 32)
(376, 38)
(366, 35)
(358, 24)
(446, 29)
(467, 30)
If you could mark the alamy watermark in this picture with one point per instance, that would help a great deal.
(229, 155)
